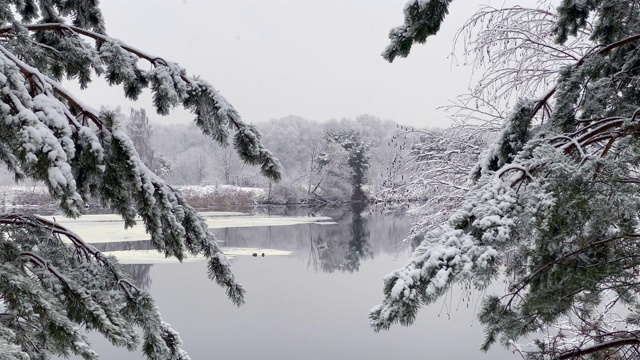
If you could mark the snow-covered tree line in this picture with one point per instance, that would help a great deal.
(309, 144)
(550, 207)
(187, 157)
(53, 285)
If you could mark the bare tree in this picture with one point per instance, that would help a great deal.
(432, 173)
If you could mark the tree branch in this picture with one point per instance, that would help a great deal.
(631, 339)
(57, 229)
(543, 101)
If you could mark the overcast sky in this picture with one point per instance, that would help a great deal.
(319, 59)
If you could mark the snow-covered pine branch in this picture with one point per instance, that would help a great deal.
(42, 279)
(77, 162)
(48, 134)
(504, 214)
(422, 18)
(553, 211)
(169, 82)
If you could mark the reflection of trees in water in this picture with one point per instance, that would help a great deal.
(330, 251)
(336, 252)
(357, 236)
(140, 274)
(359, 247)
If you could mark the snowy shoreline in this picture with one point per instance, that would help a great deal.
(200, 196)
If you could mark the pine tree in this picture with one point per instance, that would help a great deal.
(140, 131)
(348, 163)
(552, 207)
(51, 291)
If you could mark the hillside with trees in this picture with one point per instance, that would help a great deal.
(315, 165)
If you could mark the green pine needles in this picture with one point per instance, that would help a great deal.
(552, 205)
(50, 292)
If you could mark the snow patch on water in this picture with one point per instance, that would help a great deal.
(155, 257)
(106, 228)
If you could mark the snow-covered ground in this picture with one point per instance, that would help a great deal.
(205, 190)
(200, 196)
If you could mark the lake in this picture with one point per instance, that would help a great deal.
(309, 301)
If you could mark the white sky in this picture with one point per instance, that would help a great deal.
(319, 59)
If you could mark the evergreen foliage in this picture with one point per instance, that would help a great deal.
(422, 19)
(139, 131)
(51, 292)
(552, 205)
(355, 157)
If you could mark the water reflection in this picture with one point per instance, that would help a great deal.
(357, 235)
(295, 313)
(359, 244)
(141, 274)
(334, 251)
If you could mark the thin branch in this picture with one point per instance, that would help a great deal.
(541, 102)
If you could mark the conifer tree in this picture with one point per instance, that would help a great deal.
(140, 131)
(54, 286)
(552, 205)
(352, 166)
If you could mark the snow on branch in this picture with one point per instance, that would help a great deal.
(463, 249)
(563, 230)
(52, 292)
(170, 86)
(487, 234)
(41, 277)
(514, 134)
(422, 18)
(79, 159)
(431, 172)
(513, 58)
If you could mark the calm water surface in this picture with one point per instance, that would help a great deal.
(310, 305)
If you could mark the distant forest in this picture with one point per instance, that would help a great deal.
(312, 166)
